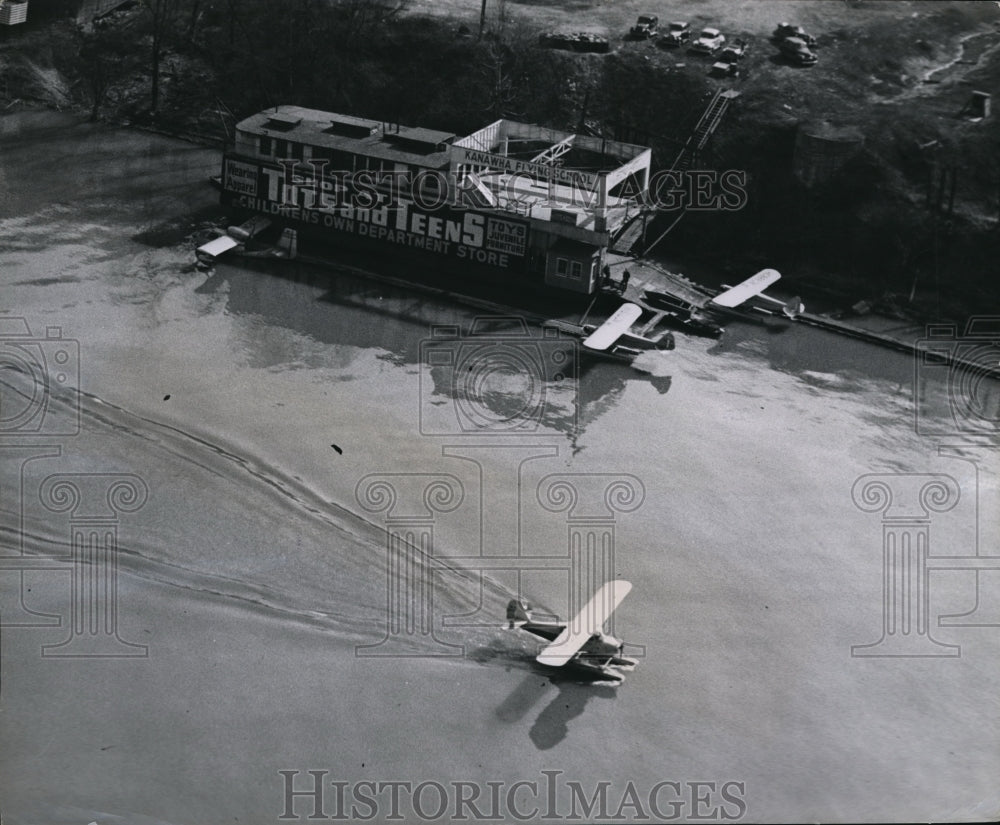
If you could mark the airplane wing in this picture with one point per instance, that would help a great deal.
(611, 330)
(213, 249)
(588, 621)
(748, 289)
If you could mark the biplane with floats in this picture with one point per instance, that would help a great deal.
(581, 642)
(615, 338)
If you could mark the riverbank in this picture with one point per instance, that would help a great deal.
(877, 231)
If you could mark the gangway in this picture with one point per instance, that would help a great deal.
(705, 128)
(631, 233)
(696, 142)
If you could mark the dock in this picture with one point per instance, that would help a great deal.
(646, 275)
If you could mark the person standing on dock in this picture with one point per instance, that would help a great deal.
(625, 279)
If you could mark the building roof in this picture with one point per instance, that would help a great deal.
(346, 133)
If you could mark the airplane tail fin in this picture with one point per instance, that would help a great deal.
(794, 307)
(288, 243)
(518, 613)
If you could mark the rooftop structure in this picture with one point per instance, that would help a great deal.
(530, 170)
(305, 134)
(551, 175)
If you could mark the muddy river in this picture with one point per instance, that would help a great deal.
(256, 552)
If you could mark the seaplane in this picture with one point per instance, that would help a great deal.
(705, 316)
(582, 642)
(749, 294)
(236, 238)
(614, 337)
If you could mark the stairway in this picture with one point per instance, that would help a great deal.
(704, 129)
(630, 234)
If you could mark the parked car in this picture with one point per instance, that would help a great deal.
(727, 62)
(734, 51)
(786, 30)
(797, 51)
(708, 42)
(645, 27)
(677, 33)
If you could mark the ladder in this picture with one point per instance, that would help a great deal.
(705, 128)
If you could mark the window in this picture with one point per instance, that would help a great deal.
(562, 265)
(576, 270)
(281, 148)
(264, 145)
(297, 151)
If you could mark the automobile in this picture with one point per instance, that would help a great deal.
(645, 27)
(797, 51)
(727, 62)
(708, 42)
(734, 51)
(786, 30)
(677, 33)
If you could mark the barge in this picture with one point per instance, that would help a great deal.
(514, 204)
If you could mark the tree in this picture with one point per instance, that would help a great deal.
(105, 56)
(161, 17)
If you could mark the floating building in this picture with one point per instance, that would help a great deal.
(512, 201)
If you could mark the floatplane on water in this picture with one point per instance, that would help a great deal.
(236, 238)
(746, 301)
(582, 641)
(614, 338)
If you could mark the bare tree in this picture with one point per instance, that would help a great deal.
(193, 19)
(105, 57)
(493, 18)
(161, 16)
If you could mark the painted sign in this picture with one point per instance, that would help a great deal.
(540, 171)
(460, 233)
(240, 177)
